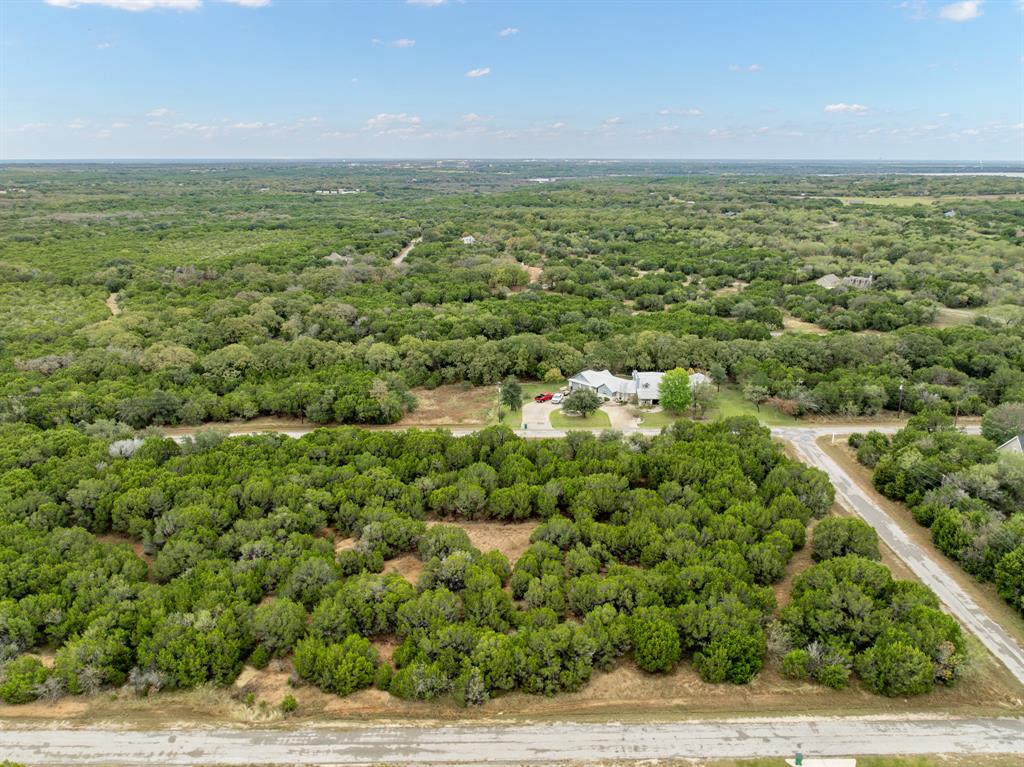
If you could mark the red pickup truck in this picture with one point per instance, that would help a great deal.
(543, 397)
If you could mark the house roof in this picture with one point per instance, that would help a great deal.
(599, 378)
(828, 281)
(1014, 444)
(696, 379)
(648, 385)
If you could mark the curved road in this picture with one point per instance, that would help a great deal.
(516, 744)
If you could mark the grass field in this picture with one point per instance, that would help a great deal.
(730, 402)
(597, 420)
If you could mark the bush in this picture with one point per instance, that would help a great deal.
(796, 664)
(289, 705)
(655, 645)
(839, 536)
(20, 678)
(735, 657)
(895, 668)
(1003, 422)
(340, 668)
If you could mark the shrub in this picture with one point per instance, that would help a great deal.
(655, 645)
(839, 536)
(735, 657)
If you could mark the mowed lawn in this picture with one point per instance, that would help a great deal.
(728, 402)
(596, 420)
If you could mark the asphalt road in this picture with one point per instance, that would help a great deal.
(515, 744)
(1003, 646)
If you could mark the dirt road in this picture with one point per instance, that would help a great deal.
(406, 251)
(955, 599)
(516, 744)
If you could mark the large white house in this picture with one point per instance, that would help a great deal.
(644, 387)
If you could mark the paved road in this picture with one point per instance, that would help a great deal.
(515, 744)
(957, 601)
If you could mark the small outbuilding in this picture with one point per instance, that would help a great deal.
(829, 281)
(469, 240)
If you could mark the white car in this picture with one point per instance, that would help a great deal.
(556, 399)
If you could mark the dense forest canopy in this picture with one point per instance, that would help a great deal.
(663, 548)
(182, 294)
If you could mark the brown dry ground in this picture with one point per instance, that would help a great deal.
(984, 594)
(794, 325)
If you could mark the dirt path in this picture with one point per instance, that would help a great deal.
(406, 251)
(518, 744)
(112, 304)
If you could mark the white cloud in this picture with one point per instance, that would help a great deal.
(158, 112)
(748, 68)
(943, 114)
(385, 120)
(131, 5)
(613, 121)
(842, 108)
(481, 72)
(916, 10)
(509, 31)
(964, 11)
(427, 3)
(557, 126)
(149, 5)
(682, 112)
(119, 124)
(104, 46)
(473, 117)
(403, 42)
(77, 124)
(249, 126)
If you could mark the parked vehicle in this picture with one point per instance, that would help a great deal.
(557, 398)
(546, 396)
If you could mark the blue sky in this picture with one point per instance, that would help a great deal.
(293, 79)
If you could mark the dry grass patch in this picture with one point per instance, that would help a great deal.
(451, 405)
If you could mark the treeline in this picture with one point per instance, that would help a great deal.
(243, 293)
(970, 495)
(662, 549)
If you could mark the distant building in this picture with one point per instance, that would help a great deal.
(862, 283)
(829, 281)
(337, 258)
(1013, 445)
(469, 240)
(950, 214)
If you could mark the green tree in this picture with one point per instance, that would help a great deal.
(894, 667)
(1003, 422)
(511, 395)
(675, 392)
(734, 657)
(655, 645)
(278, 624)
(756, 394)
(582, 401)
(839, 536)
